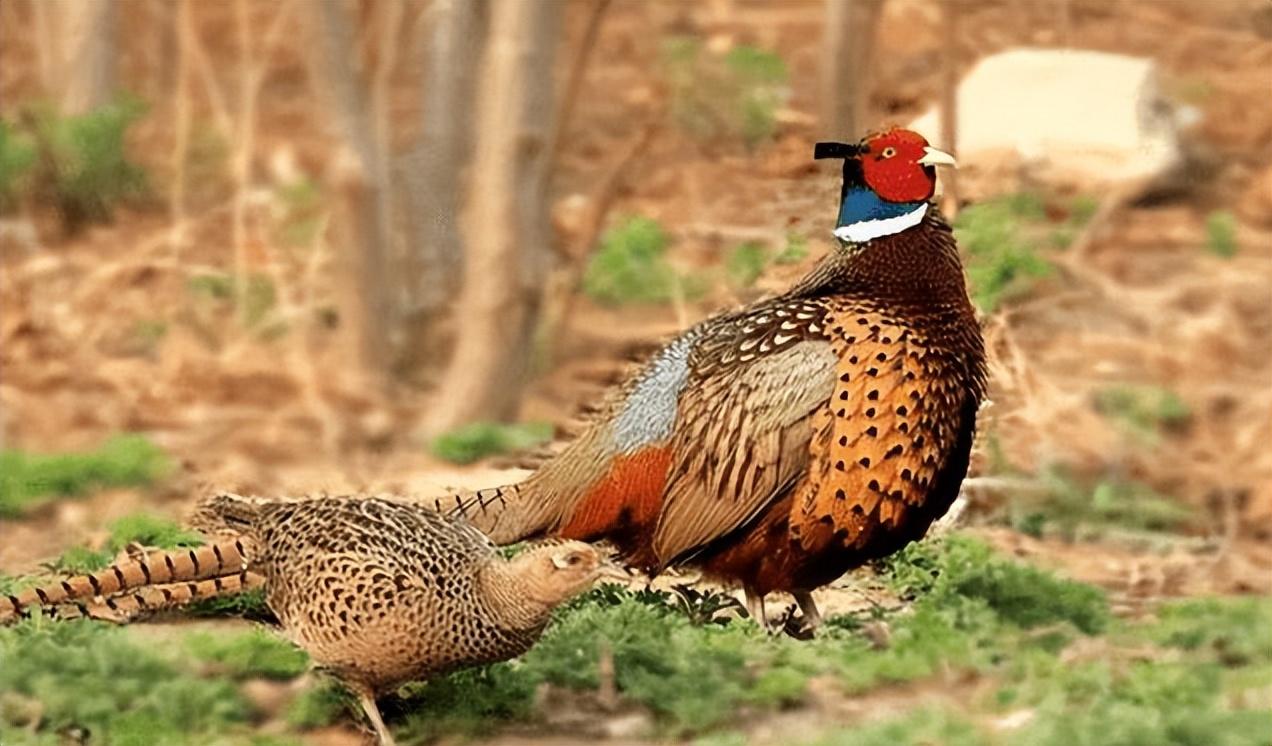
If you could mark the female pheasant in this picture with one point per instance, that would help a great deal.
(377, 592)
(782, 444)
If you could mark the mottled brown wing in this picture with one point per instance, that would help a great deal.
(877, 447)
(742, 428)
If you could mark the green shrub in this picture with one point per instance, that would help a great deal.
(732, 95)
(997, 237)
(1221, 234)
(84, 167)
(795, 251)
(16, 156)
(481, 439)
(1142, 410)
(123, 461)
(259, 294)
(1071, 505)
(631, 266)
(254, 654)
(93, 678)
(1233, 631)
(746, 263)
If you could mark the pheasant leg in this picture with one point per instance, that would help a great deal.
(755, 608)
(367, 698)
(812, 617)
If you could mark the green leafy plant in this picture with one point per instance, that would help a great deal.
(1221, 234)
(631, 266)
(83, 166)
(736, 94)
(123, 461)
(16, 156)
(481, 439)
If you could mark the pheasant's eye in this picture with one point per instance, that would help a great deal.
(888, 152)
(574, 559)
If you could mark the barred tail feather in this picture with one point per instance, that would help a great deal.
(496, 512)
(213, 560)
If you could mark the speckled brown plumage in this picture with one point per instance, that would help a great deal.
(377, 592)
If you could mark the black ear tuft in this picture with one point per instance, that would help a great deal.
(835, 150)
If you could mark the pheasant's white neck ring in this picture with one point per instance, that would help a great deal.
(865, 230)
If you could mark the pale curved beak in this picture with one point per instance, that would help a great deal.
(934, 157)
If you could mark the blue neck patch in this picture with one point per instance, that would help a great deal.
(861, 204)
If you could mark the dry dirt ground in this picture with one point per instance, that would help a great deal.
(278, 414)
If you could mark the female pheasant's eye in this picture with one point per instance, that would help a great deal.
(888, 152)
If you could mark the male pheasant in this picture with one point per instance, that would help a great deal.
(377, 592)
(785, 443)
(782, 444)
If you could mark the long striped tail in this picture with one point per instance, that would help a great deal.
(211, 562)
(505, 514)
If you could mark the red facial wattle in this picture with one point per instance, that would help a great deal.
(892, 170)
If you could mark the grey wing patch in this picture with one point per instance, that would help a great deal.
(747, 439)
(648, 413)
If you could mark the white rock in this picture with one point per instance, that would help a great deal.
(1071, 117)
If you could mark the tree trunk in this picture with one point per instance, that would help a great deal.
(508, 247)
(848, 41)
(87, 31)
(434, 172)
(360, 181)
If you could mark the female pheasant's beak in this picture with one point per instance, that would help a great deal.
(934, 157)
(613, 571)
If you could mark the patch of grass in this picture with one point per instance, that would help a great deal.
(254, 654)
(249, 605)
(139, 528)
(1232, 631)
(745, 263)
(16, 156)
(1142, 410)
(92, 678)
(998, 238)
(1071, 505)
(1221, 234)
(83, 166)
(321, 705)
(631, 266)
(922, 726)
(1103, 703)
(470, 703)
(123, 461)
(481, 439)
(736, 94)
